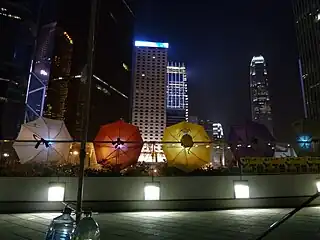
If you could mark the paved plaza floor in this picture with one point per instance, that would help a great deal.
(226, 224)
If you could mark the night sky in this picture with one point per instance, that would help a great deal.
(216, 40)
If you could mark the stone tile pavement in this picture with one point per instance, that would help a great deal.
(227, 224)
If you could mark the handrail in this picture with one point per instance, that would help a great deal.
(276, 224)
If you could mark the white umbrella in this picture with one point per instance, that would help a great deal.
(45, 131)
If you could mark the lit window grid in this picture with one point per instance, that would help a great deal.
(217, 130)
(149, 102)
(177, 95)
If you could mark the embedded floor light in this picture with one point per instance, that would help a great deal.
(152, 191)
(241, 189)
(318, 185)
(56, 192)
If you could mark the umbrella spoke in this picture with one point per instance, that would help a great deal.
(200, 130)
(173, 160)
(197, 156)
(37, 154)
(174, 137)
(131, 135)
(61, 126)
(110, 154)
(125, 153)
(62, 157)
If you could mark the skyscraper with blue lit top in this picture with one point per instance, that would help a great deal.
(149, 96)
(177, 93)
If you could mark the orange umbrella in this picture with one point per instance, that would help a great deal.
(119, 144)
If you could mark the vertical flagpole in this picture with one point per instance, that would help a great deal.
(85, 127)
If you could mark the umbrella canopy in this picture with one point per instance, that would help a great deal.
(251, 140)
(45, 131)
(186, 146)
(123, 147)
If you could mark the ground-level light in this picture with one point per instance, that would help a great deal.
(318, 185)
(152, 191)
(241, 189)
(56, 192)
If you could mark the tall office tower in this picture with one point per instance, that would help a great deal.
(177, 93)
(52, 60)
(16, 45)
(259, 90)
(57, 92)
(307, 18)
(149, 96)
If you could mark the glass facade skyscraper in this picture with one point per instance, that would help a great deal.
(177, 93)
(259, 89)
(307, 21)
(16, 46)
(40, 73)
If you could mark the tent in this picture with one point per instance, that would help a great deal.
(186, 146)
(118, 144)
(36, 142)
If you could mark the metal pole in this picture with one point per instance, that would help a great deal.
(90, 56)
(287, 216)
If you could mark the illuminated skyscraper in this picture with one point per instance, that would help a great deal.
(307, 19)
(40, 73)
(149, 95)
(177, 93)
(259, 89)
(52, 60)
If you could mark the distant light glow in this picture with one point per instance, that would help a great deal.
(68, 37)
(305, 141)
(6, 14)
(75, 153)
(125, 66)
(257, 59)
(151, 44)
(154, 214)
(318, 185)
(6, 154)
(43, 72)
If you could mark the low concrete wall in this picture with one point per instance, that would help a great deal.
(177, 193)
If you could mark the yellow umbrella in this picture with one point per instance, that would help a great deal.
(186, 146)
